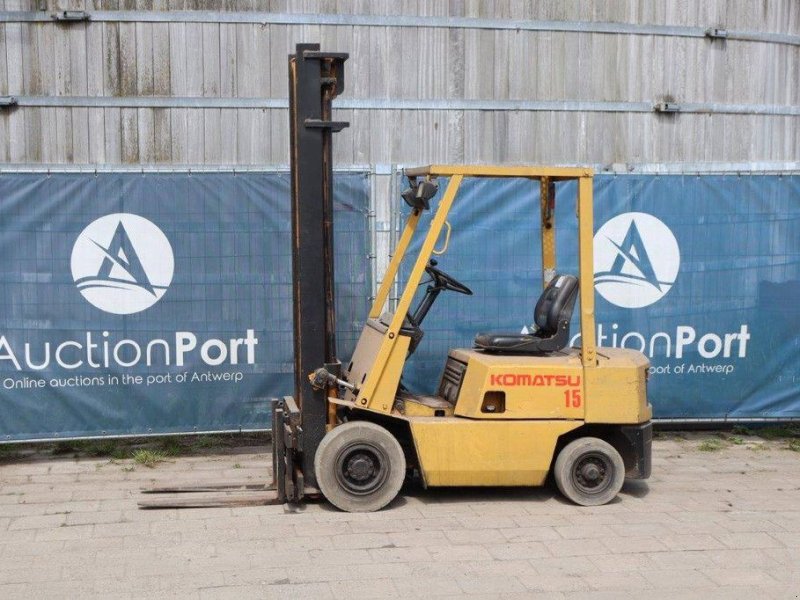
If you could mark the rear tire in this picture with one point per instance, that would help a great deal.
(360, 467)
(589, 471)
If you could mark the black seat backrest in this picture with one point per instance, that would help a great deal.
(552, 316)
(555, 304)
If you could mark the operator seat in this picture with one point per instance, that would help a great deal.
(552, 316)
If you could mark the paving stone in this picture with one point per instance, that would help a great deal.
(496, 567)
(264, 575)
(438, 524)
(678, 579)
(692, 542)
(566, 565)
(638, 561)
(37, 522)
(26, 574)
(370, 526)
(682, 559)
(283, 544)
(517, 550)
(697, 529)
(623, 545)
(316, 529)
(398, 555)
(619, 580)
(573, 532)
(257, 592)
(480, 536)
(787, 538)
(377, 588)
(374, 570)
(74, 532)
(742, 577)
(755, 558)
(486, 522)
(490, 585)
(424, 587)
(543, 582)
(339, 557)
(21, 550)
(647, 529)
(459, 552)
(531, 595)
(447, 566)
(84, 506)
(751, 539)
(531, 534)
(419, 538)
(85, 518)
(14, 590)
(576, 547)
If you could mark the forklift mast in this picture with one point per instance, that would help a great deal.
(315, 79)
(299, 422)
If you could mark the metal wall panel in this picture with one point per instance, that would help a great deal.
(472, 60)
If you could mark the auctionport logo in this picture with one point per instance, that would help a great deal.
(636, 260)
(122, 263)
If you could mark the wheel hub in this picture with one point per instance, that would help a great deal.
(360, 467)
(590, 474)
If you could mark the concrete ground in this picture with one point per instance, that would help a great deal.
(720, 523)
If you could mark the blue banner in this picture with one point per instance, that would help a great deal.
(701, 273)
(160, 303)
(152, 303)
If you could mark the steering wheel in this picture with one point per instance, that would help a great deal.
(444, 281)
(441, 281)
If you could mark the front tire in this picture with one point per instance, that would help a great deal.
(589, 471)
(360, 467)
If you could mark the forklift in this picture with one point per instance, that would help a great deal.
(509, 411)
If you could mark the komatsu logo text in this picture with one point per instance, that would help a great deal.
(526, 379)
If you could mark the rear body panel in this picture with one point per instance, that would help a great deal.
(535, 387)
(544, 398)
(555, 386)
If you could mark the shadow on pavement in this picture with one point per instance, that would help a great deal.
(456, 495)
(637, 488)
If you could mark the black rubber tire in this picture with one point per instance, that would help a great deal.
(589, 471)
(360, 467)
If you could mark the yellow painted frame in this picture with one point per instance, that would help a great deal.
(374, 396)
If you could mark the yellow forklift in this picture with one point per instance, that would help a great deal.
(508, 411)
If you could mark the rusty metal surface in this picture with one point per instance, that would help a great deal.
(211, 487)
(213, 500)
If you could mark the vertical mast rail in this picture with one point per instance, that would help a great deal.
(315, 79)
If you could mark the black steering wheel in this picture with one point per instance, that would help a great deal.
(444, 281)
(441, 281)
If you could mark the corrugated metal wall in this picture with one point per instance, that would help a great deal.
(119, 90)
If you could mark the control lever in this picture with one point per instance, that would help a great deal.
(322, 379)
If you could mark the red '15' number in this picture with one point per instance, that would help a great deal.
(572, 398)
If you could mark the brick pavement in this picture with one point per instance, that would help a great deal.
(722, 524)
